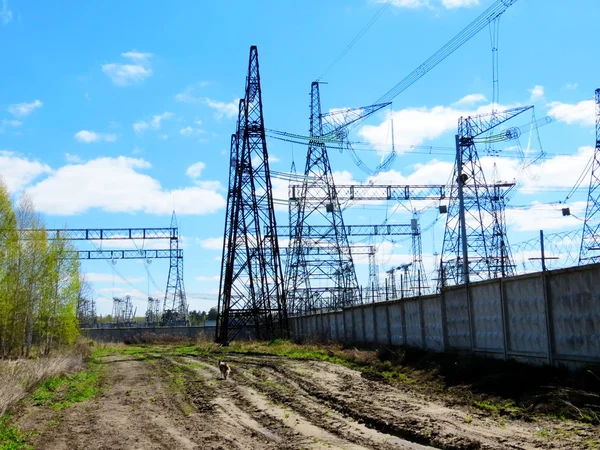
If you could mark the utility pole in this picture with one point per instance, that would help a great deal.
(461, 179)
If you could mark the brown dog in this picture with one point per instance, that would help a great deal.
(224, 368)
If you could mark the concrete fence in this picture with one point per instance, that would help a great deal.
(549, 317)
(128, 334)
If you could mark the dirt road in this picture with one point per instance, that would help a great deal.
(179, 402)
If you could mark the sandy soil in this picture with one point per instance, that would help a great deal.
(180, 402)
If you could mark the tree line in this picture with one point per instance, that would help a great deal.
(39, 282)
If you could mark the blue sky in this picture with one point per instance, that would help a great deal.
(114, 113)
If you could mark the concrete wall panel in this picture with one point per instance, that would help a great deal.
(575, 300)
(457, 319)
(526, 315)
(369, 313)
(382, 323)
(487, 316)
(413, 323)
(359, 331)
(349, 327)
(396, 323)
(432, 314)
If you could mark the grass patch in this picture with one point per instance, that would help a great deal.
(62, 392)
(11, 437)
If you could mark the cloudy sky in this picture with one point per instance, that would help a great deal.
(114, 114)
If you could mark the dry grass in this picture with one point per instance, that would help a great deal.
(18, 378)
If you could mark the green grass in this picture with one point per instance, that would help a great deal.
(62, 392)
(10, 436)
(500, 407)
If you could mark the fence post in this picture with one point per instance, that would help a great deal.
(547, 305)
(375, 333)
(389, 325)
(403, 321)
(503, 314)
(422, 323)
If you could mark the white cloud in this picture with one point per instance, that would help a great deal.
(164, 137)
(5, 124)
(537, 93)
(187, 131)
(571, 86)
(73, 158)
(138, 57)
(215, 243)
(413, 126)
(223, 109)
(140, 127)
(195, 170)
(108, 278)
(228, 110)
(129, 74)
(448, 4)
(539, 216)
(116, 185)
(459, 3)
(24, 109)
(190, 93)
(157, 119)
(18, 172)
(155, 123)
(5, 12)
(191, 131)
(471, 99)
(135, 244)
(87, 137)
(208, 278)
(582, 112)
(560, 171)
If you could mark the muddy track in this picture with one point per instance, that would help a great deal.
(338, 399)
(180, 402)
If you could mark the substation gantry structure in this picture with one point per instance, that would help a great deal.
(317, 244)
(475, 242)
(338, 285)
(590, 241)
(174, 305)
(251, 290)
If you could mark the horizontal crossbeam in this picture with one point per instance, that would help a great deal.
(319, 231)
(128, 254)
(382, 192)
(113, 234)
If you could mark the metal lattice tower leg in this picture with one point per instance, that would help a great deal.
(374, 287)
(590, 241)
(477, 233)
(327, 280)
(419, 282)
(175, 304)
(251, 290)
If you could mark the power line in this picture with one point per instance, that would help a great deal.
(356, 39)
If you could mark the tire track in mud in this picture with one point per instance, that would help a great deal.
(310, 419)
(382, 407)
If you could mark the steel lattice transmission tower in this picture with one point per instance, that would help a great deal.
(251, 292)
(475, 243)
(327, 279)
(590, 241)
(175, 307)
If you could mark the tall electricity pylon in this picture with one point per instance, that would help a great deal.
(326, 280)
(251, 293)
(475, 242)
(175, 307)
(590, 241)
